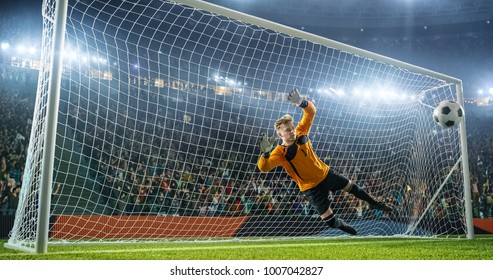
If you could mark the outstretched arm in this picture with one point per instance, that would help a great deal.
(266, 146)
(308, 110)
(267, 162)
(267, 143)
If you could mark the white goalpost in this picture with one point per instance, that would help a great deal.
(149, 128)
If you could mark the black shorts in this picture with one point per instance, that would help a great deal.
(319, 195)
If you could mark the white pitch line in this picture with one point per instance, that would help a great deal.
(235, 246)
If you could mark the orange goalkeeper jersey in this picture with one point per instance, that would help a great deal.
(299, 160)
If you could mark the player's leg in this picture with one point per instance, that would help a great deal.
(361, 193)
(334, 222)
(318, 198)
(338, 182)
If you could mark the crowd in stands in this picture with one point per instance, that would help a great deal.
(480, 146)
(201, 180)
(193, 176)
(16, 97)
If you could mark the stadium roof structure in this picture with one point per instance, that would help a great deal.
(339, 17)
(372, 14)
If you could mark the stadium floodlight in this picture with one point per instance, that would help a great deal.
(5, 46)
(164, 153)
(21, 49)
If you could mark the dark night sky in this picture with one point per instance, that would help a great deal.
(460, 62)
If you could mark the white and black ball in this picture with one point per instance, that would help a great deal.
(448, 114)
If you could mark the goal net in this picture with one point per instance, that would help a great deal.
(161, 108)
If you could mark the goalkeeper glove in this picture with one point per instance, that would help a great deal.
(267, 143)
(294, 96)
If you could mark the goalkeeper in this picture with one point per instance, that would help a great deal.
(314, 178)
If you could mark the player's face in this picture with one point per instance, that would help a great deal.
(287, 132)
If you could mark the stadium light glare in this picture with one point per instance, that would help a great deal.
(21, 49)
(340, 92)
(357, 92)
(331, 91)
(490, 90)
(392, 95)
(69, 54)
(403, 96)
(383, 94)
(5, 46)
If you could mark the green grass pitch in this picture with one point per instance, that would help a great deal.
(479, 248)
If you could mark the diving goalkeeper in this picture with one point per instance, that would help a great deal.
(314, 178)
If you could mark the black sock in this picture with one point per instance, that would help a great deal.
(361, 193)
(332, 220)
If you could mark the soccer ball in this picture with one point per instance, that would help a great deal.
(448, 114)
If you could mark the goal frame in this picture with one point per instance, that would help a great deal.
(360, 52)
(42, 230)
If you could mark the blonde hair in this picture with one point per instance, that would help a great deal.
(286, 119)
